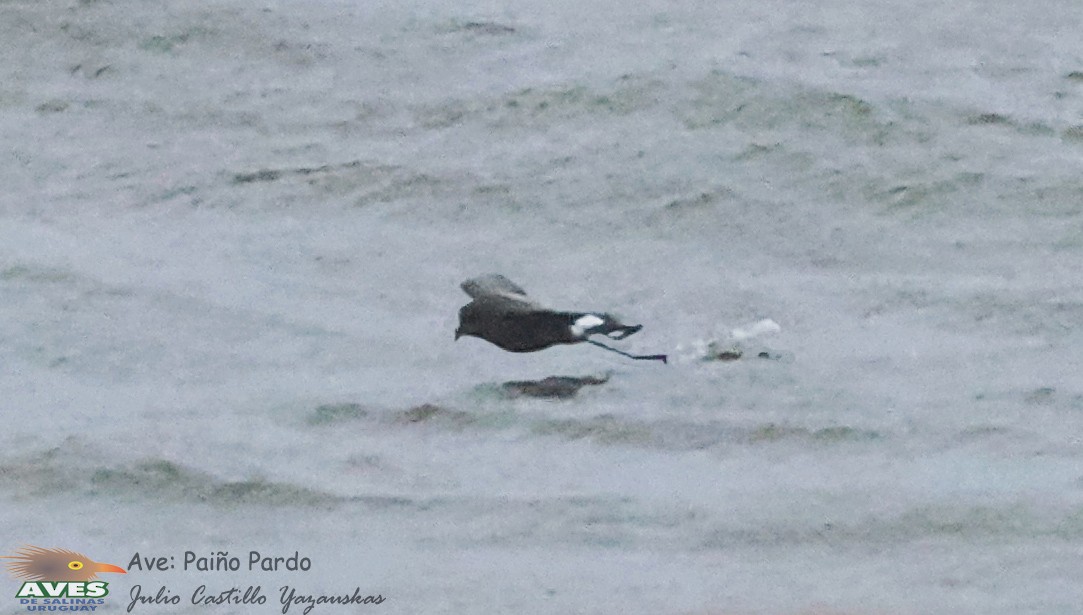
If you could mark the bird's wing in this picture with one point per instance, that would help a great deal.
(506, 305)
(493, 284)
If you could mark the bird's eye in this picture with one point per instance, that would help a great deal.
(76, 565)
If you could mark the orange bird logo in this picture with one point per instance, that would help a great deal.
(32, 563)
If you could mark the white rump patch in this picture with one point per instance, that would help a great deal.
(585, 322)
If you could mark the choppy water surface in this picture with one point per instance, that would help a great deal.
(232, 237)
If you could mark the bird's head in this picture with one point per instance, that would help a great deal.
(469, 322)
(466, 330)
(39, 564)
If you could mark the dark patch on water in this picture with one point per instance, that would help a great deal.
(998, 119)
(178, 191)
(987, 119)
(726, 354)
(1042, 396)
(553, 387)
(773, 432)
(162, 44)
(706, 200)
(490, 28)
(263, 175)
(268, 175)
(336, 413)
(755, 151)
(170, 43)
(52, 106)
(1073, 133)
(979, 433)
(432, 413)
(35, 274)
(91, 71)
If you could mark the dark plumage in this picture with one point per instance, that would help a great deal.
(502, 314)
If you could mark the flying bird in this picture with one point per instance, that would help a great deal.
(40, 564)
(501, 313)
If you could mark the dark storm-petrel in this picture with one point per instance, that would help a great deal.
(501, 313)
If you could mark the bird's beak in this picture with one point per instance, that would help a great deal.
(458, 334)
(99, 567)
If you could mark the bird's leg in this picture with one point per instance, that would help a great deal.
(646, 357)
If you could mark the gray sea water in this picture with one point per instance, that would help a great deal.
(231, 238)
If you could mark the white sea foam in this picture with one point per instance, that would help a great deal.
(762, 327)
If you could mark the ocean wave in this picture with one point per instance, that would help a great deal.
(604, 429)
(73, 469)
